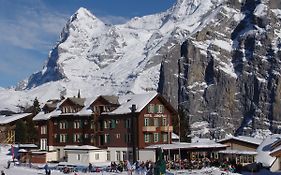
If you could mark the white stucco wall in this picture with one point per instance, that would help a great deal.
(52, 156)
(97, 156)
(113, 153)
(84, 157)
(145, 155)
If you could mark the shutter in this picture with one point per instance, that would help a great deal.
(81, 124)
(155, 108)
(108, 140)
(66, 138)
(113, 123)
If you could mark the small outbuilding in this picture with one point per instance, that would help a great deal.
(83, 155)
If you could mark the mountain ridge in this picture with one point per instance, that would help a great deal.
(206, 56)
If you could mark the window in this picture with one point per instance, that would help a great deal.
(108, 155)
(106, 124)
(44, 129)
(78, 157)
(77, 124)
(92, 126)
(77, 138)
(92, 138)
(113, 124)
(156, 122)
(160, 108)
(128, 138)
(124, 155)
(151, 108)
(155, 137)
(43, 144)
(86, 136)
(62, 138)
(97, 156)
(106, 138)
(165, 137)
(118, 136)
(164, 121)
(62, 125)
(128, 123)
(146, 138)
(118, 155)
(146, 121)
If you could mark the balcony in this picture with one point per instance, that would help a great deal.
(166, 128)
(149, 128)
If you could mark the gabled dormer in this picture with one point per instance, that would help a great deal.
(72, 105)
(104, 103)
(50, 105)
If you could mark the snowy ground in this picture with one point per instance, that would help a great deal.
(16, 170)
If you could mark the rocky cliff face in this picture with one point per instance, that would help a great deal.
(218, 60)
(229, 72)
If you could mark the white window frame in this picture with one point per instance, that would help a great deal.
(77, 137)
(146, 138)
(164, 121)
(43, 144)
(156, 137)
(151, 108)
(160, 108)
(146, 121)
(43, 129)
(118, 155)
(62, 125)
(106, 136)
(76, 124)
(62, 138)
(97, 156)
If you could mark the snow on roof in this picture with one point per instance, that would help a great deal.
(8, 119)
(175, 136)
(26, 146)
(22, 151)
(184, 145)
(140, 100)
(83, 147)
(246, 139)
(264, 150)
(238, 152)
(42, 116)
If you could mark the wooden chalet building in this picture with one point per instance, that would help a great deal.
(8, 125)
(106, 122)
(240, 149)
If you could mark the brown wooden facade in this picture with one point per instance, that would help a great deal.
(101, 128)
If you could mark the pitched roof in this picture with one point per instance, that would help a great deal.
(78, 101)
(111, 99)
(4, 119)
(184, 145)
(126, 101)
(264, 150)
(246, 139)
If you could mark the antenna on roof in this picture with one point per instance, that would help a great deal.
(79, 95)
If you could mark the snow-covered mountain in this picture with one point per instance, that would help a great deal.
(111, 59)
(217, 59)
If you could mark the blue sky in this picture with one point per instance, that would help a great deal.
(30, 28)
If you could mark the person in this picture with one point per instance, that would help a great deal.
(49, 171)
(129, 167)
(90, 167)
(46, 167)
(8, 164)
(2, 173)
